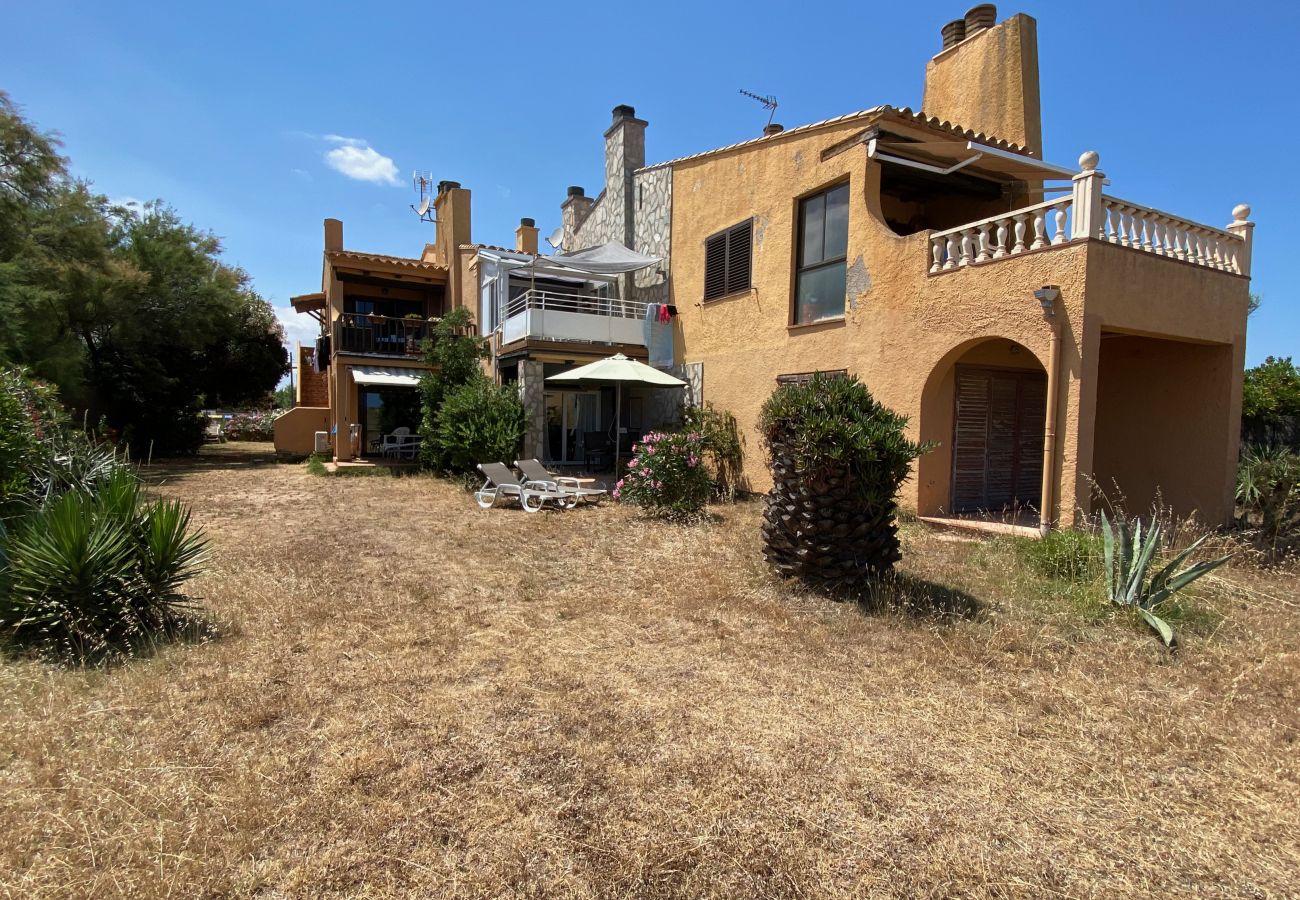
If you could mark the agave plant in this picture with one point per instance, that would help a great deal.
(1129, 554)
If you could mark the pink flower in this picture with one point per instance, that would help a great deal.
(659, 485)
(631, 463)
(650, 450)
(693, 461)
(645, 473)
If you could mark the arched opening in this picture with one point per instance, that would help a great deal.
(985, 405)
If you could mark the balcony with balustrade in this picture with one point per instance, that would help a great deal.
(1089, 214)
(573, 317)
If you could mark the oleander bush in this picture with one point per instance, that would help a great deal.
(723, 450)
(666, 476)
(253, 426)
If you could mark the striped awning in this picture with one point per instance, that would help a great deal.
(386, 376)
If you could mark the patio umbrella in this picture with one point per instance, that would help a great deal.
(617, 370)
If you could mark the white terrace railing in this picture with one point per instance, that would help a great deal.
(576, 303)
(574, 317)
(1089, 214)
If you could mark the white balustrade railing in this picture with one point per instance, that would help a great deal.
(576, 303)
(1090, 214)
(1142, 228)
(1032, 228)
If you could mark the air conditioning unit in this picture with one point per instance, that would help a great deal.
(322, 442)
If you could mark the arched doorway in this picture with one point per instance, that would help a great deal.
(985, 405)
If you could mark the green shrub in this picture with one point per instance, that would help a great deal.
(316, 465)
(723, 451)
(479, 422)
(666, 476)
(29, 416)
(86, 575)
(254, 426)
(1268, 490)
(454, 353)
(838, 459)
(1069, 555)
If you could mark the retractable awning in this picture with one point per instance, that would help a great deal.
(946, 157)
(386, 376)
(600, 263)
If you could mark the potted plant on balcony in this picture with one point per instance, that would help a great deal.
(412, 323)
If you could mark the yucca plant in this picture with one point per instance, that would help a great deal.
(838, 459)
(1129, 554)
(90, 573)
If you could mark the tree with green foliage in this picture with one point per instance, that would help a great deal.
(479, 422)
(131, 313)
(838, 460)
(1270, 403)
(455, 354)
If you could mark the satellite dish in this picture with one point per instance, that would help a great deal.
(556, 239)
(424, 207)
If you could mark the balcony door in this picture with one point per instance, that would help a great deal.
(572, 425)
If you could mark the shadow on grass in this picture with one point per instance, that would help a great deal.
(906, 594)
(74, 652)
(903, 594)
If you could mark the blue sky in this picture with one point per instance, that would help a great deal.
(233, 112)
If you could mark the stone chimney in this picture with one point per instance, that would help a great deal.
(986, 77)
(574, 211)
(333, 234)
(526, 237)
(451, 212)
(624, 154)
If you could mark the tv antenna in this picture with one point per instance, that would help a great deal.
(423, 184)
(768, 102)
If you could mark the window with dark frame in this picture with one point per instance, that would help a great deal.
(728, 256)
(821, 276)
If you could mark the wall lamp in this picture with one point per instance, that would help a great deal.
(1047, 295)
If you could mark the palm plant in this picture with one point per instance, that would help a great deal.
(1129, 554)
(838, 460)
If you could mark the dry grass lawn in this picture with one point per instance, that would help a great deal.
(414, 697)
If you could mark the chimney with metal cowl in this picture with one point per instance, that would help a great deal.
(953, 33)
(986, 77)
(980, 17)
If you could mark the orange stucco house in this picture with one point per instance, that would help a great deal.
(1051, 338)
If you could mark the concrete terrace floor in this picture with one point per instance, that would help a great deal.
(415, 697)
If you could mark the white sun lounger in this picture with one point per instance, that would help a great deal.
(532, 496)
(537, 473)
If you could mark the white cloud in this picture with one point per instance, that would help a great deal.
(301, 174)
(356, 159)
(297, 326)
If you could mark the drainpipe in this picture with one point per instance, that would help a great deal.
(1047, 297)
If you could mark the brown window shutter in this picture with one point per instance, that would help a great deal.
(715, 266)
(739, 245)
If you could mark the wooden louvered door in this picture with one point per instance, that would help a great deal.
(997, 446)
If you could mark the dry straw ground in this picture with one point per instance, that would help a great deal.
(414, 697)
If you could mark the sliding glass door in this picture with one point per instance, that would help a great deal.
(572, 426)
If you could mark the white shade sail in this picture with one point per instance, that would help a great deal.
(386, 376)
(621, 369)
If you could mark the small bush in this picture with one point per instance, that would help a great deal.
(316, 465)
(479, 422)
(723, 450)
(1074, 556)
(254, 426)
(1268, 491)
(29, 415)
(666, 476)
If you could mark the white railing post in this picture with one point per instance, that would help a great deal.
(1088, 214)
(1244, 230)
